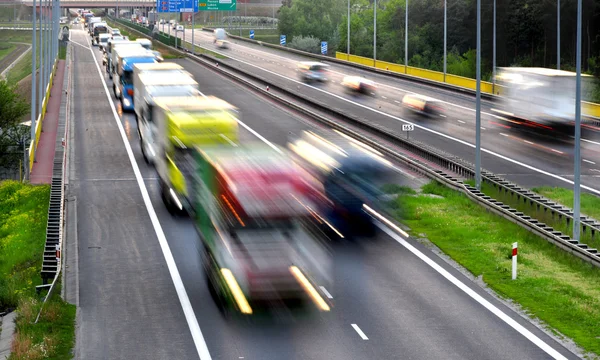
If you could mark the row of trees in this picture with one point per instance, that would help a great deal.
(526, 31)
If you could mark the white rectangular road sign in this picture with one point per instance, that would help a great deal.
(408, 127)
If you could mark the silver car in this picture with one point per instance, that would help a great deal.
(313, 71)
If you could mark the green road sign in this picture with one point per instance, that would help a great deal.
(217, 5)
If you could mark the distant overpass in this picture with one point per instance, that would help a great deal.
(103, 4)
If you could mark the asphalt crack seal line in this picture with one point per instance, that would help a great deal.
(463, 142)
(186, 305)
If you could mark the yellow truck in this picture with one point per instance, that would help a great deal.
(181, 124)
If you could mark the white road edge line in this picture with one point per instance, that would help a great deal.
(590, 162)
(186, 305)
(326, 292)
(467, 290)
(360, 332)
(466, 143)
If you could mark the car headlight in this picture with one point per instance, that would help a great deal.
(126, 102)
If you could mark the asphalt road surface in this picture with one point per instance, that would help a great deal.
(550, 159)
(143, 294)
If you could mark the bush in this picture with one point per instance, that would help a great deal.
(306, 43)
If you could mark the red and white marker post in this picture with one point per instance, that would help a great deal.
(514, 261)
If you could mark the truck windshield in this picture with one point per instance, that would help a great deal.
(127, 77)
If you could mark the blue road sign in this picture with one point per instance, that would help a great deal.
(176, 6)
(324, 47)
(281, 39)
(251, 34)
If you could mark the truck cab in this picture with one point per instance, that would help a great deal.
(148, 87)
(179, 125)
(146, 43)
(98, 28)
(111, 53)
(252, 216)
(90, 24)
(123, 77)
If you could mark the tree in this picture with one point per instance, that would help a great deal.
(12, 134)
(318, 19)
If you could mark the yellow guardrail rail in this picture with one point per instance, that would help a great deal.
(40, 118)
(587, 108)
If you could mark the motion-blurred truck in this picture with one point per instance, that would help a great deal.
(123, 76)
(537, 99)
(90, 24)
(252, 214)
(179, 125)
(149, 86)
(350, 175)
(111, 53)
(98, 28)
(220, 38)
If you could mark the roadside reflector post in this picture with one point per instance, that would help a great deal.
(267, 87)
(514, 261)
(57, 252)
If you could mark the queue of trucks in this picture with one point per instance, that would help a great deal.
(265, 218)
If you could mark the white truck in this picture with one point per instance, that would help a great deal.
(90, 24)
(112, 53)
(537, 100)
(124, 59)
(220, 38)
(146, 43)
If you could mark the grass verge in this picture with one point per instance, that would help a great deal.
(590, 205)
(5, 49)
(23, 217)
(21, 69)
(52, 337)
(16, 36)
(552, 285)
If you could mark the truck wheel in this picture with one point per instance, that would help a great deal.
(166, 197)
(144, 151)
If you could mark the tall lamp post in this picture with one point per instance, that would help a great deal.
(375, 33)
(406, 39)
(478, 103)
(348, 33)
(558, 35)
(446, 35)
(577, 189)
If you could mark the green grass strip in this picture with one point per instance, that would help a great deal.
(23, 218)
(552, 285)
(590, 204)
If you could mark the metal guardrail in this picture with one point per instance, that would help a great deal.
(429, 155)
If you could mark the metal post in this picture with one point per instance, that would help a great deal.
(577, 189)
(558, 34)
(33, 80)
(348, 33)
(274, 11)
(478, 103)
(494, 53)
(406, 39)
(375, 33)
(42, 79)
(193, 46)
(446, 35)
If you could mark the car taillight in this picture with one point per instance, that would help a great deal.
(130, 92)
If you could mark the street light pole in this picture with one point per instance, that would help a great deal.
(558, 35)
(446, 36)
(577, 188)
(375, 33)
(33, 81)
(478, 103)
(406, 39)
(494, 53)
(42, 79)
(348, 33)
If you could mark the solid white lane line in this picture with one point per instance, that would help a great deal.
(326, 292)
(396, 101)
(184, 300)
(589, 162)
(503, 134)
(528, 142)
(460, 121)
(360, 332)
(557, 151)
(463, 142)
(591, 142)
(467, 290)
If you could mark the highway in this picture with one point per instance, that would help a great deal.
(529, 161)
(142, 288)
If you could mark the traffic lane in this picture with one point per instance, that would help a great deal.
(128, 305)
(270, 56)
(370, 278)
(361, 106)
(459, 107)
